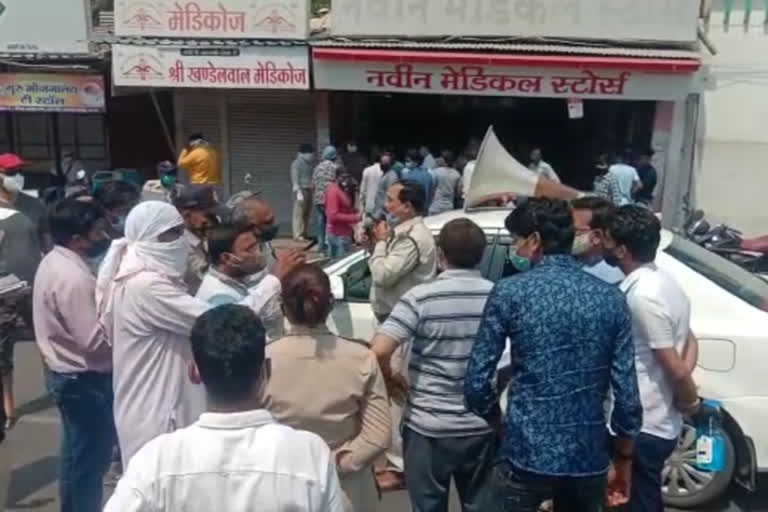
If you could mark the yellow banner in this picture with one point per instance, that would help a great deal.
(51, 92)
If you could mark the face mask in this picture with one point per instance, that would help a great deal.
(307, 157)
(119, 224)
(175, 254)
(98, 248)
(410, 165)
(253, 265)
(581, 244)
(351, 148)
(521, 263)
(168, 181)
(268, 234)
(14, 183)
(611, 259)
(392, 219)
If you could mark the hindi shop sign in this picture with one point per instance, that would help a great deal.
(223, 19)
(39, 92)
(657, 20)
(250, 67)
(481, 80)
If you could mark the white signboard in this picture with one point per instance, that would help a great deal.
(43, 26)
(250, 67)
(658, 20)
(225, 19)
(479, 80)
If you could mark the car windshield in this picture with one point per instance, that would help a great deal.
(741, 283)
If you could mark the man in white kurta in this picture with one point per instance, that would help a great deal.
(145, 307)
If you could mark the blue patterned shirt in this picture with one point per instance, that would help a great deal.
(571, 338)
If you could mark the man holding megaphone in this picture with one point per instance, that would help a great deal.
(495, 165)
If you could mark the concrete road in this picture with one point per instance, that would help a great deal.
(34, 446)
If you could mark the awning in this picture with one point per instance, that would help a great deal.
(648, 64)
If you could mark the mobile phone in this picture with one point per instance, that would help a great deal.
(311, 245)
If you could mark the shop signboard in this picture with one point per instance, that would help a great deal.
(44, 26)
(221, 19)
(481, 80)
(248, 67)
(657, 20)
(51, 92)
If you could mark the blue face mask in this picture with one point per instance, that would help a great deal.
(521, 263)
(392, 219)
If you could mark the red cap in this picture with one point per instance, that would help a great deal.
(9, 162)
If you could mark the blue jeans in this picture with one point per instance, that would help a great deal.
(339, 246)
(512, 490)
(321, 227)
(88, 435)
(651, 453)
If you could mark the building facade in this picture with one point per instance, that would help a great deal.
(574, 79)
(53, 87)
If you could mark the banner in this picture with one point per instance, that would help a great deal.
(225, 19)
(51, 92)
(249, 67)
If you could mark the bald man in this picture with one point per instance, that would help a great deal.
(256, 212)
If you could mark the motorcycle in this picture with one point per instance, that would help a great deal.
(749, 253)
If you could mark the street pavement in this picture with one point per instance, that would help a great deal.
(34, 447)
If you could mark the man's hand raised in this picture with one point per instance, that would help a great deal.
(287, 261)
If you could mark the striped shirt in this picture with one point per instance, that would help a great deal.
(441, 319)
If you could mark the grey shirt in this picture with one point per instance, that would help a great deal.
(441, 320)
(448, 180)
(20, 252)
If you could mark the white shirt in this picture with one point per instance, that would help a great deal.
(369, 187)
(153, 317)
(660, 319)
(545, 170)
(237, 462)
(466, 178)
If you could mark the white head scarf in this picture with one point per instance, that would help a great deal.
(140, 250)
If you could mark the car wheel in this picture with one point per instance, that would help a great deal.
(686, 486)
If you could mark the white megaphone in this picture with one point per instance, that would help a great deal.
(498, 175)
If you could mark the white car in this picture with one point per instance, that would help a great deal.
(728, 315)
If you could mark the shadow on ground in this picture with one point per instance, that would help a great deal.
(26, 480)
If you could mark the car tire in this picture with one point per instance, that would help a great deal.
(695, 488)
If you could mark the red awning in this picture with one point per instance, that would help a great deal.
(658, 65)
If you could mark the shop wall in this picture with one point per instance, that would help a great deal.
(733, 175)
(137, 140)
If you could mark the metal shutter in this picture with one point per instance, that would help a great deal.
(265, 130)
(199, 114)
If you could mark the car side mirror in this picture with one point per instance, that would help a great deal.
(337, 287)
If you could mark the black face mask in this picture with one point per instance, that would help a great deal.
(268, 234)
(611, 259)
(99, 247)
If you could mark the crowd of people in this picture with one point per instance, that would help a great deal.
(179, 345)
(347, 195)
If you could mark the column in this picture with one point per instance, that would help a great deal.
(678, 176)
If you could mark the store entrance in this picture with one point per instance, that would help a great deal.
(451, 122)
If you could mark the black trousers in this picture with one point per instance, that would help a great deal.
(512, 490)
(430, 463)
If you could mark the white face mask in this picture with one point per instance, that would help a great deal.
(170, 256)
(14, 183)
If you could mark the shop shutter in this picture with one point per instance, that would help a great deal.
(265, 130)
(199, 115)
